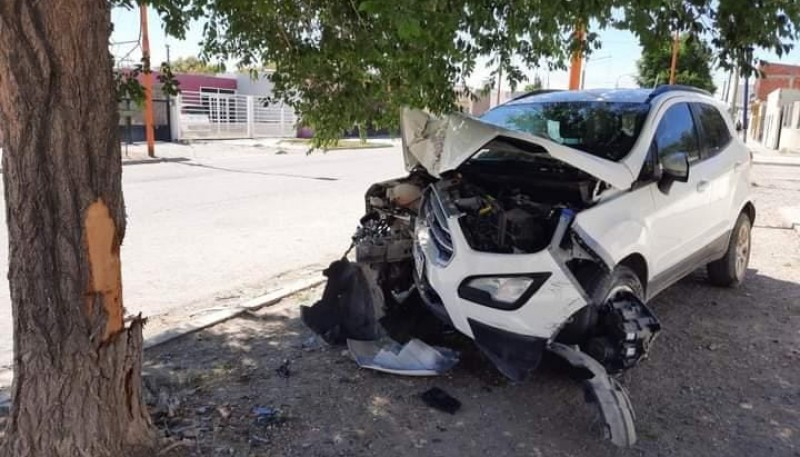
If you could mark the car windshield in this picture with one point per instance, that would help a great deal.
(604, 129)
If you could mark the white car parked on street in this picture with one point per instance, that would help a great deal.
(556, 216)
(545, 225)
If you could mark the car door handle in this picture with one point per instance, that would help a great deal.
(702, 186)
(738, 165)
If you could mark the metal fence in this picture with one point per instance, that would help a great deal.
(211, 115)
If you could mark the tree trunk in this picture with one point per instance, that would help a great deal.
(76, 389)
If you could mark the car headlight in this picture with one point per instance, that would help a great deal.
(502, 292)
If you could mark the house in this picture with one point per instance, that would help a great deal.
(781, 116)
(210, 107)
(776, 76)
(772, 105)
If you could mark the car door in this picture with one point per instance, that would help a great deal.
(679, 225)
(724, 159)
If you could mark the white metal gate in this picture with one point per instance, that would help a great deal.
(201, 115)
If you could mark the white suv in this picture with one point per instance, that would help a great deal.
(555, 217)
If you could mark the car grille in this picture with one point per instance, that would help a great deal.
(436, 220)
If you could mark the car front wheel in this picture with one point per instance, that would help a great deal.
(730, 270)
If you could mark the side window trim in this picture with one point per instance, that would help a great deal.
(694, 108)
(653, 152)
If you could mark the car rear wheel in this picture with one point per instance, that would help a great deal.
(730, 270)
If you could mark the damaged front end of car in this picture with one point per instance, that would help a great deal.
(482, 232)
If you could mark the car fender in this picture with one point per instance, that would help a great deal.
(615, 229)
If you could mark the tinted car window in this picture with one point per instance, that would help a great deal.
(716, 134)
(677, 133)
(604, 129)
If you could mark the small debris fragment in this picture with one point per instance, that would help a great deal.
(266, 415)
(439, 399)
(224, 411)
(746, 405)
(312, 343)
(712, 347)
(283, 370)
(414, 358)
(337, 439)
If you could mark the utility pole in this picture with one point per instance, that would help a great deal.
(148, 83)
(169, 99)
(499, 82)
(676, 46)
(735, 98)
(577, 60)
(727, 92)
(745, 102)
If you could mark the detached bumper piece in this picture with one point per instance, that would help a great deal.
(609, 395)
(515, 356)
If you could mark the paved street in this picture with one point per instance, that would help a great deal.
(237, 215)
(230, 220)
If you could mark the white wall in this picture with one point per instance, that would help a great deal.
(262, 87)
(773, 120)
(790, 135)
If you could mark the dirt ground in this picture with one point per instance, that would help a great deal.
(722, 380)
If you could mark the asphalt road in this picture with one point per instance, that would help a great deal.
(227, 221)
(232, 218)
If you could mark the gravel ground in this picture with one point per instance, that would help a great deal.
(721, 380)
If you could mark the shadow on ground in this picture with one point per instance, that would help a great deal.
(721, 380)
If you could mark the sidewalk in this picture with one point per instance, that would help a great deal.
(765, 156)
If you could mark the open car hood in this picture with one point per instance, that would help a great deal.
(441, 144)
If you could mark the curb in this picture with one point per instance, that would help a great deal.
(146, 161)
(202, 322)
(217, 317)
(155, 160)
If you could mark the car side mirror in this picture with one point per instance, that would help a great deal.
(674, 167)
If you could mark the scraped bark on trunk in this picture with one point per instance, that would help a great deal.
(76, 387)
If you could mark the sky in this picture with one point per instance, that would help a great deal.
(612, 65)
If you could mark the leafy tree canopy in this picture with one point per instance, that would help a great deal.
(693, 67)
(195, 65)
(536, 84)
(334, 58)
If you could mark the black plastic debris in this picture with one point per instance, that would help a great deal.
(439, 399)
(283, 370)
(350, 307)
(266, 415)
(605, 392)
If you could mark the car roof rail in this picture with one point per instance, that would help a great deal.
(534, 92)
(664, 88)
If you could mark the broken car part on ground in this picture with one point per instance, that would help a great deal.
(520, 231)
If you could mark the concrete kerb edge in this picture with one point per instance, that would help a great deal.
(154, 160)
(146, 161)
(226, 314)
(203, 322)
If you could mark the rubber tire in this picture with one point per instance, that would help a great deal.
(597, 285)
(722, 272)
(603, 284)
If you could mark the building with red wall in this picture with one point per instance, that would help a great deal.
(776, 76)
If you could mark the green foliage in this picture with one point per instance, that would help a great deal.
(129, 87)
(195, 65)
(535, 85)
(356, 62)
(693, 68)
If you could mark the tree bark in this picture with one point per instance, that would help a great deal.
(77, 383)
